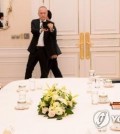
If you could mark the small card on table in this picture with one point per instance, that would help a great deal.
(115, 105)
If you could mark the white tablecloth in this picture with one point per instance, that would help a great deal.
(29, 122)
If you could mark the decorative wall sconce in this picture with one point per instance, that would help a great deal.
(6, 7)
(9, 9)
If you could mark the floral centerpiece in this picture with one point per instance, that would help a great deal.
(56, 103)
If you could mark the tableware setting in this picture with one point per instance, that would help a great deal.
(22, 106)
(99, 96)
(108, 83)
(103, 98)
(22, 95)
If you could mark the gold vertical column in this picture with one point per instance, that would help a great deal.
(87, 43)
(81, 45)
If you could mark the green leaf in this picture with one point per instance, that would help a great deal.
(69, 111)
(70, 97)
(59, 117)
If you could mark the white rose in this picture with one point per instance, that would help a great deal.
(51, 108)
(51, 113)
(44, 110)
(56, 104)
(55, 97)
(59, 111)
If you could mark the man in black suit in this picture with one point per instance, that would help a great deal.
(1, 19)
(41, 47)
(52, 62)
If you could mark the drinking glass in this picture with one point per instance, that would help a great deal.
(22, 93)
(97, 82)
(91, 74)
(108, 83)
(32, 84)
(94, 96)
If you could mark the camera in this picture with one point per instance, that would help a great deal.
(45, 25)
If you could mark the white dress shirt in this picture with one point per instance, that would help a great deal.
(41, 41)
(2, 22)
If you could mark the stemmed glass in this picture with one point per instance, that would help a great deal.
(91, 80)
(91, 74)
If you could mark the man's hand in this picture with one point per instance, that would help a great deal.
(43, 30)
(53, 56)
(4, 28)
(50, 26)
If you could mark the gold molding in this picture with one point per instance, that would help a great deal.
(88, 45)
(81, 45)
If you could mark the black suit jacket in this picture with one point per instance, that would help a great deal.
(49, 38)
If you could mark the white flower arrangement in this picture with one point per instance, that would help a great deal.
(56, 103)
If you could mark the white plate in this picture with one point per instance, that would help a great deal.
(22, 107)
(104, 102)
(101, 102)
(110, 86)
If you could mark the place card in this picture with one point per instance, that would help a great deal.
(115, 105)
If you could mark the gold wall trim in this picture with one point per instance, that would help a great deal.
(88, 45)
(81, 45)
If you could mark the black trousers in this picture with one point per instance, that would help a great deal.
(41, 57)
(53, 66)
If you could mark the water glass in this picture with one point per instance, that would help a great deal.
(32, 84)
(97, 82)
(22, 93)
(108, 83)
(21, 87)
(22, 96)
(94, 97)
(91, 72)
